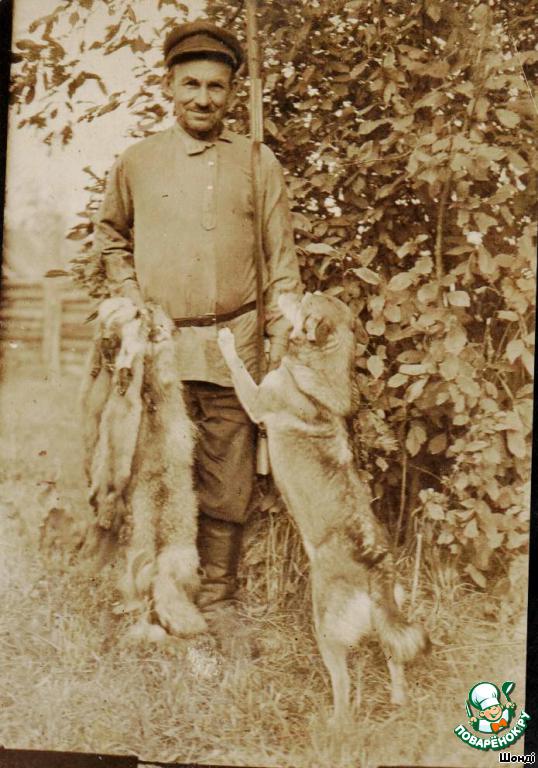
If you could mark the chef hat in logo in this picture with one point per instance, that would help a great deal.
(484, 695)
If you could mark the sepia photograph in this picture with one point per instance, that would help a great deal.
(267, 321)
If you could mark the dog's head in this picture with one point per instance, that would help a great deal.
(317, 319)
(322, 341)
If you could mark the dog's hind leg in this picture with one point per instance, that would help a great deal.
(334, 656)
(397, 682)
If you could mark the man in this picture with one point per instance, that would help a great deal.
(176, 227)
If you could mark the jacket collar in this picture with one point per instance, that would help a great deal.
(197, 146)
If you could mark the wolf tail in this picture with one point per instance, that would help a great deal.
(401, 639)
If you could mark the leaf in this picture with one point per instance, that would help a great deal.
(481, 108)
(376, 327)
(400, 281)
(485, 262)
(433, 9)
(459, 299)
(323, 248)
(78, 234)
(455, 340)
(507, 118)
(514, 349)
(397, 380)
(516, 444)
(507, 314)
(110, 107)
(438, 443)
(450, 368)
(517, 539)
(376, 304)
(416, 437)
(528, 361)
(489, 153)
(375, 365)
(415, 390)
(434, 510)
(476, 575)
(484, 221)
(468, 386)
(57, 273)
(424, 265)
(414, 369)
(509, 420)
(366, 274)
(392, 313)
(428, 292)
(370, 125)
(445, 538)
(471, 529)
(367, 255)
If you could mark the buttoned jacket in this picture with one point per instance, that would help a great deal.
(177, 217)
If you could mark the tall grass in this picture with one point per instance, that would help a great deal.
(70, 680)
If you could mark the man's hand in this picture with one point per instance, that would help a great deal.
(226, 342)
(131, 291)
(117, 311)
(277, 350)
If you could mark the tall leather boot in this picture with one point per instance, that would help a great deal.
(219, 547)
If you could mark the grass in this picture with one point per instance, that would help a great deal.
(70, 681)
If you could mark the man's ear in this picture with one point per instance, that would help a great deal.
(232, 96)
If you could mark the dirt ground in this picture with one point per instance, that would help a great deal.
(70, 681)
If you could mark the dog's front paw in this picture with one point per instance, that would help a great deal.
(226, 342)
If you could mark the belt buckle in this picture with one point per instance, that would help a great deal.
(210, 318)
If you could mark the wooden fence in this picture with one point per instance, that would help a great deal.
(45, 321)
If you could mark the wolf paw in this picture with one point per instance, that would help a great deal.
(181, 618)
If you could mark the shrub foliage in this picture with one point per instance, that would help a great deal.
(407, 131)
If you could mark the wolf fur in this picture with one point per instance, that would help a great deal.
(139, 444)
(303, 405)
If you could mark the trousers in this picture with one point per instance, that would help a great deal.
(225, 451)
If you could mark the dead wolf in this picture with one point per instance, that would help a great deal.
(139, 444)
(303, 405)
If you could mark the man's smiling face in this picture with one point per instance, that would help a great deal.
(201, 90)
(492, 713)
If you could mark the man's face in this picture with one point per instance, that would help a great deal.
(201, 90)
(492, 713)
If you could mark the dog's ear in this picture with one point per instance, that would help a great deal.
(318, 329)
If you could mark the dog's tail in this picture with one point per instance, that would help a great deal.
(401, 640)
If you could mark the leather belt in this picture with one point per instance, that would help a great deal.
(212, 318)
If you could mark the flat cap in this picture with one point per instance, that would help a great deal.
(202, 37)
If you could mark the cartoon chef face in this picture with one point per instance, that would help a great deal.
(491, 713)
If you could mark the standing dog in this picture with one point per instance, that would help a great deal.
(303, 405)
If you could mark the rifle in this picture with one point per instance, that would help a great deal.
(256, 134)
